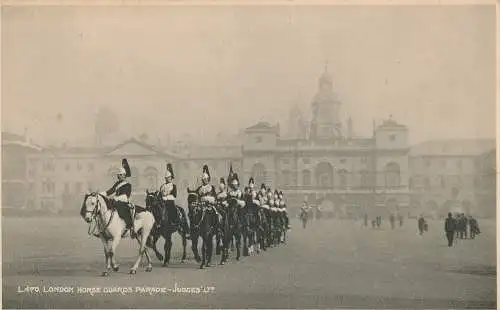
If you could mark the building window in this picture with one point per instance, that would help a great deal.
(459, 164)
(78, 187)
(66, 188)
(410, 183)
(343, 161)
(427, 162)
(91, 167)
(67, 167)
(427, 183)
(443, 163)
(306, 160)
(258, 139)
(443, 181)
(306, 178)
(364, 159)
(365, 179)
(343, 178)
(392, 175)
(287, 177)
(79, 166)
(392, 138)
(49, 165)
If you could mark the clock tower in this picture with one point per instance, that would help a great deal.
(325, 123)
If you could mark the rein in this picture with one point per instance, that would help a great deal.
(96, 216)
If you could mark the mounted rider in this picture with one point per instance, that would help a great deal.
(119, 195)
(222, 195)
(264, 202)
(235, 192)
(207, 193)
(284, 210)
(168, 192)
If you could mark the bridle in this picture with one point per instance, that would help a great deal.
(95, 213)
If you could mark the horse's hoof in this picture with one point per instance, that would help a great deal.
(149, 269)
(198, 260)
(165, 265)
(208, 265)
(238, 258)
(132, 271)
(116, 268)
(201, 267)
(105, 274)
(160, 258)
(222, 263)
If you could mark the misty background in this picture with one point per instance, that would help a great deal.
(200, 71)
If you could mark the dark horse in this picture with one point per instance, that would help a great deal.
(250, 224)
(163, 228)
(233, 224)
(203, 224)
(263, 229)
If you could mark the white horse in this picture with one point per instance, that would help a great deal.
(110, 228)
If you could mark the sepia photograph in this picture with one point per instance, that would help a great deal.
(284, 155)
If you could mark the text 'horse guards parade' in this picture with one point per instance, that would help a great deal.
(258, 218)
(111, 214)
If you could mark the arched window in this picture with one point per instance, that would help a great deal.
(392, 175)
(343, 178)
(365, 179)
(286, 177)
(324, 174)
(306, 178)
(259, 173)
(151, 175)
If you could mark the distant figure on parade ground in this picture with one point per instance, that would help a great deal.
(474, 227)
(400, 220)
(366, 220)
(304, 214)
(374, 223)
(392, 219)
(421, 225)
(379, 221)
(449, 228)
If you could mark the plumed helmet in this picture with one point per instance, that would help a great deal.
(251, 181)
(263, 186)
(170, 171)
(235, 180)
(125, 169)
(222, 181)
(206, 173)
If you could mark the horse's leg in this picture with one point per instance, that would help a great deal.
(209, 249)
(107, 250)
(203, 252)
(167, 249)
(217, 244)
(184, 245)
(194, 246)
(112, 252)
(245, 245)
(238, 244)
(155, 239)
(149, 266)
(142, 238)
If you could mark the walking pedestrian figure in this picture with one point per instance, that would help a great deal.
(449, 228)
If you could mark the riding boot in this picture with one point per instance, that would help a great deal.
(133, 235)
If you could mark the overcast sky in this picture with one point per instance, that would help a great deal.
(181, 69)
